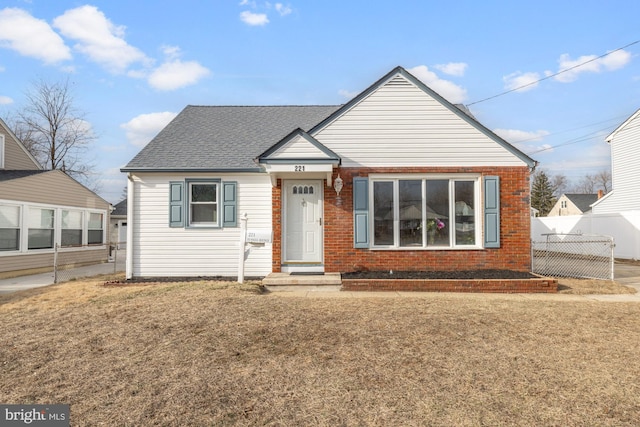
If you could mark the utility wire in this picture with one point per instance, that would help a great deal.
(553, 75)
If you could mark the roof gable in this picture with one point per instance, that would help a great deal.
(582, 201)
(622, 126)
(297, 146)
(16, 155)
(399, 76)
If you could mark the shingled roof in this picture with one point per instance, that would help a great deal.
(221, 138)
(582, 201)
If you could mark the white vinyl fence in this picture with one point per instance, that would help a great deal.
(623, 227)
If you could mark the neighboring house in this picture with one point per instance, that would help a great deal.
(573, 204)
(625, 174)
(118, 225)
(396, 179)
(43, 208)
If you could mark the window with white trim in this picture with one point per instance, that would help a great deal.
(71, 232)
(425, 212)
(95, 234)
(9, 228)
(203, 204)
(41, 228)
(1, 151)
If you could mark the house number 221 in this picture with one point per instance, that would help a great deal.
(299, 168)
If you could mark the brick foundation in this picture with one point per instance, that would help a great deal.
(537, 285)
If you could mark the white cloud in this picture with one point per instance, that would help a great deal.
(31, 37)
(449, 90)
(5, 100)
(254, 19)
(176, 74)
(141, 129)
(283, 10)
(452, 68)
(611, 62)
(99, 39)
(516, 136)
(347, 94)
(523, 81)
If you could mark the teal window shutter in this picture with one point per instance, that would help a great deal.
(229, 204)
(491, 211)
(360, 212)
(176, 204)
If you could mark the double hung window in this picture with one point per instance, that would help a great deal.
(71, 234)
(424, 212)
(203, 203)
(95, 229)
(9, 228)
(41, 228)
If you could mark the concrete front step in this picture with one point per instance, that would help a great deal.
(281, 280)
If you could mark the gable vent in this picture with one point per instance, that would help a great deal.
(399, 81)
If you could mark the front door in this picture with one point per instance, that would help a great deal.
(302, 227)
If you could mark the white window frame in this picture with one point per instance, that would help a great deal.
(20, 229)
(452, 178)
(102, 225)
(2, 155)
(217, 203)
(52, 228)
(82, 221)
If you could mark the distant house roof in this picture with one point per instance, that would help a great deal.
(582, 201)
(7, 175)
(224, 138)
(120, 209)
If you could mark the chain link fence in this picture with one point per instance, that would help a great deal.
(73, 262)
(573, 255)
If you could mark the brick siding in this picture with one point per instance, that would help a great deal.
(340, 255)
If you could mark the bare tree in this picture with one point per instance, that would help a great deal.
(559, 183)
(54, 131)
(590, 184)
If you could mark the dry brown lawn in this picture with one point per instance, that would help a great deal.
(223, 354)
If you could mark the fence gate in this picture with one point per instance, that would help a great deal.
(573, 255)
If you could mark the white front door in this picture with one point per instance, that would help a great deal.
(302, 228)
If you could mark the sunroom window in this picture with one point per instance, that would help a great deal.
(71, 234)
(425, 212)
(41, 228)
(9, 228)
(96, 229)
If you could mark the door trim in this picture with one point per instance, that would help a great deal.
(297, 265)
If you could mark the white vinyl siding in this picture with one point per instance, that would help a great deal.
(298, 148)
(162, 251)
(625, 151)
(401, 125)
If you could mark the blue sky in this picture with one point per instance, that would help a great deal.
(136, 64)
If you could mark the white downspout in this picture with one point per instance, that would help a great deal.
(130, 224)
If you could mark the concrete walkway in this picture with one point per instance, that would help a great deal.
(38, 280)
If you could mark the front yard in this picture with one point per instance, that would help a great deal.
(224, 354)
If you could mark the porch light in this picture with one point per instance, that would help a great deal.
(337, 184)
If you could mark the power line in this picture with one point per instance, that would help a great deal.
(553, 75)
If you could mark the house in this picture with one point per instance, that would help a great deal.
(573, 204)
(397, 178)
(118, 224)
(625, 175)
(44, 209)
